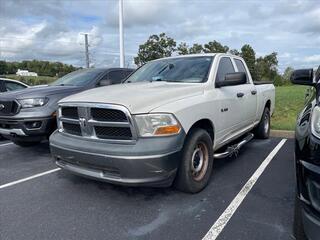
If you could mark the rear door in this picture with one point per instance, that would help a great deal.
(249, 99)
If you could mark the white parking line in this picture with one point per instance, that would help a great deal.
(5, 144)
(219, 225)
(29, 178)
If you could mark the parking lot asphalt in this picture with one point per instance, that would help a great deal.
(63, 206)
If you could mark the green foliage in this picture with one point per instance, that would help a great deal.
(234, 52)
(249, 55)
(32, 81)
(157, 46)
(215, 47)
(43, 68)
(196, 48)
(266, 67)
(183, 49)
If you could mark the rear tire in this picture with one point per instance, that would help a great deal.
(262, 131)
(196, 164)
(26, 144)
(298, 230)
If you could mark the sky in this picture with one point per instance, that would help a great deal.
(53, 29)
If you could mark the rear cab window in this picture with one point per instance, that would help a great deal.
(241, 67)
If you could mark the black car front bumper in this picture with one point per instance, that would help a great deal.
(148, 162)
(307, 153)
(27, 129)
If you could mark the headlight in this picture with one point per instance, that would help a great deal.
(152, 125)
(315, 122)
(33, 102)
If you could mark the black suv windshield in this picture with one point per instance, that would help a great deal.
(78, 78)
(185, 69)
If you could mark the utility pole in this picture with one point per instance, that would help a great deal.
(121, 33)
(86, 45)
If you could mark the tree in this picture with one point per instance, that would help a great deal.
(249, 56)
(183, 49)
(215, 47)
(287, 74)
(267, 67)
(3, 67)
(234, 52)
(196, 48)
(157, 46)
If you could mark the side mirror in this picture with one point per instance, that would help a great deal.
(105, 82)
(233, 79)
(303, 77)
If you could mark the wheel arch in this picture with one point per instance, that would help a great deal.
(205, 124)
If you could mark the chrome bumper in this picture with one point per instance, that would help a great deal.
(18, 132)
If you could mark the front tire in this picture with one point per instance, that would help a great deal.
(262, 131)
(196, 164)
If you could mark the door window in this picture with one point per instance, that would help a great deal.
(225, 67)
(12, 86)
(117, 76)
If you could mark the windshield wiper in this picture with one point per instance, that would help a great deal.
(170, 65)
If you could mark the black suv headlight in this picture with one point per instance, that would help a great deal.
(33, 102)
(315, 122)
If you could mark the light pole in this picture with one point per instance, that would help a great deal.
(121, 33)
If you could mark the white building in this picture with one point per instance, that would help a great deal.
(26, 73)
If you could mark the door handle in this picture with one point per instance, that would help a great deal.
(253, 92)
(240, 95)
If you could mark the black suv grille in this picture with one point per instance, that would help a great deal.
(70, 112)
(122, 133)
(108, 115)
(71, 128)
(8, 108)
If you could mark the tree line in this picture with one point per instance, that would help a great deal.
(263, 68)
(42, 68)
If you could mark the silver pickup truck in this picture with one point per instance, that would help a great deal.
(165, 125)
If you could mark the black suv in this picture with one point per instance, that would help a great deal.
(29, 115)
(307, 158)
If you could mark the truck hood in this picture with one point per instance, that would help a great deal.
(39, 91)
(140, 97)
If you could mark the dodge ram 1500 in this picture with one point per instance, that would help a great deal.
(165, 124)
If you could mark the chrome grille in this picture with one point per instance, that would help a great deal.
(96, 121)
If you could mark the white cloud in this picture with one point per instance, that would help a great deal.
(312, 59)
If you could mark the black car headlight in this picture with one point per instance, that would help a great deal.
(315, 122)
(33, 102)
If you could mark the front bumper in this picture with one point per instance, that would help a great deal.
(21, 129)
(311, 223)
(307, 162)
(148, 162)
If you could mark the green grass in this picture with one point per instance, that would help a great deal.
(32, 80)
(289, 102)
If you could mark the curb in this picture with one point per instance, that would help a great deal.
(282, 134)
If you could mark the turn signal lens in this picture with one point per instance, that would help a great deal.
(167, 130)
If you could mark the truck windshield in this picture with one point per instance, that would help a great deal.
(186, 69)
(78, 78)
